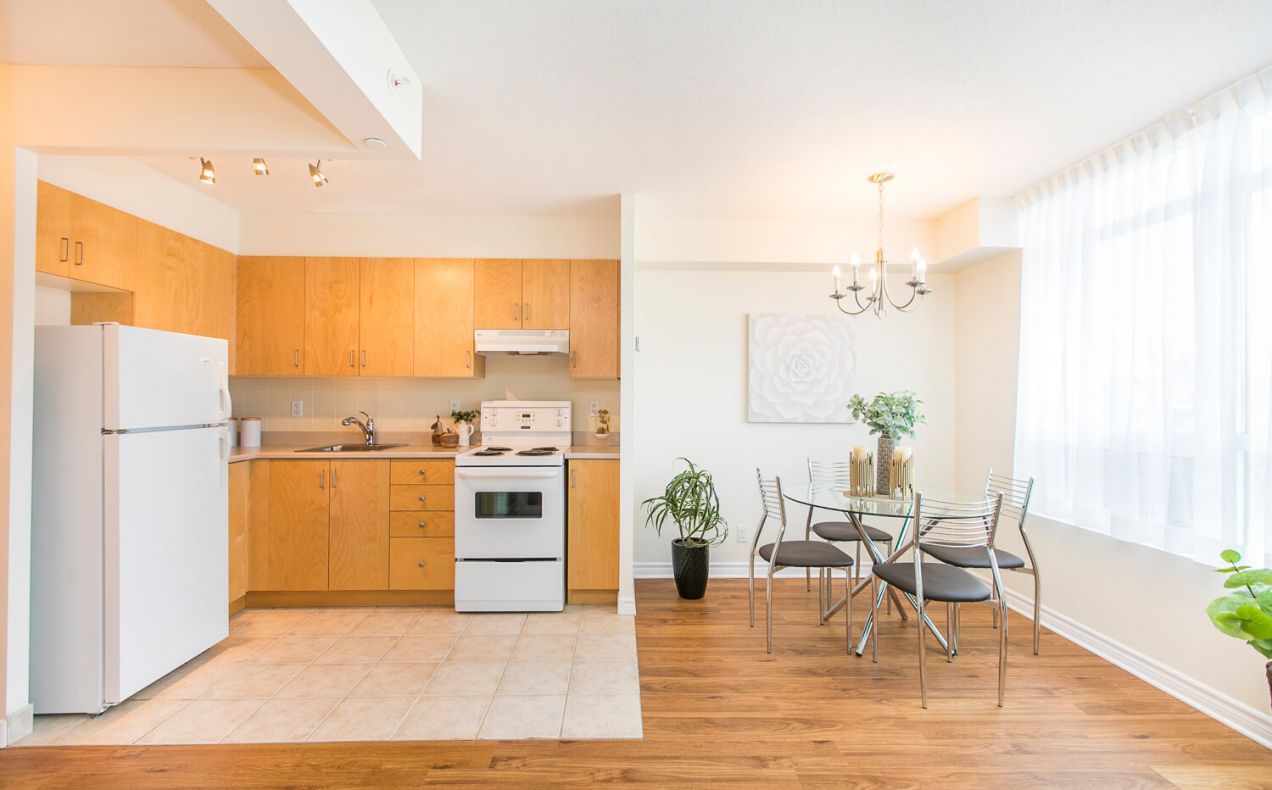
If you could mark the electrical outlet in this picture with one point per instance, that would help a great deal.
(739, 534)
(454, 405)
(298, 408)
(595, 406)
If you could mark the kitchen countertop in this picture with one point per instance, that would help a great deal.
(279, 452)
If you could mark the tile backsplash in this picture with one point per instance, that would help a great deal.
(410, 404)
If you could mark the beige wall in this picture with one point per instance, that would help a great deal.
(1148, 601)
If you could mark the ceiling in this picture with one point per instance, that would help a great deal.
(171, 33)
(741, 107)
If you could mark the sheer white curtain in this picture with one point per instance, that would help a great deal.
(1145, 392)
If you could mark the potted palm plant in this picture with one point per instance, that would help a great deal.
(1246, 612)
(892, 416)
(691, 502)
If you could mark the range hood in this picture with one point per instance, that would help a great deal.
(522, 341)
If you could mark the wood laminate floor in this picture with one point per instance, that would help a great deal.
(719, 711)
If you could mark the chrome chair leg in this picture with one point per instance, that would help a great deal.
(1002, 656)
(994, 616)
(768, 611)
(808, 572)
(949, 633)
(750, 586)
(821, 596)
(856, 566)
(1037, 623)
(922, 653)
(848, 585)
(874, 618)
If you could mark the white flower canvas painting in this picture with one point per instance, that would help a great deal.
(800, 369)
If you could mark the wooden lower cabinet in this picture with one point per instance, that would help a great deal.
(422, 524)
(359, 526)
(592, 526)
(421, 563)
(298, 525)
(240, 514)
(425, 497)
(422, 471)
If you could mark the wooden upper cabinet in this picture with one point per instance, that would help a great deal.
(331, 316)
(359, 548)
(592, 553)
(444, 320)
(103, 244)
(298, 525)
(594, 320)
(545, 294)
(52, 230)
(497, 294)
(270, 333)
(387, 316)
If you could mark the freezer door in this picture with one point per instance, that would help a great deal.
(166, 553)
(159, 379)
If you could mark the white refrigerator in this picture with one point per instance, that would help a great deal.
(129, 539)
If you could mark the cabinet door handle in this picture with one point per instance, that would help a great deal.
(79, 253)
(526, 311)
(421, 499)
(421, 525)
(333, 479)
(296, 358)
(351, 358)
(420, 564)
(65, 253)
(322, 478)
(574, 479)
(364, 357)
(422, 472)
(574, 359)
(468, 359)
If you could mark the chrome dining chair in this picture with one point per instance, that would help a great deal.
(837, 474)
(959, 525)
(793, 554)
(1016, 494)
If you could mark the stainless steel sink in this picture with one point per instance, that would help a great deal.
(349, 448)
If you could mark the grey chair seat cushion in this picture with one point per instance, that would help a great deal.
(940, 582)
(806, 554)
(843, 531)
(973, 557)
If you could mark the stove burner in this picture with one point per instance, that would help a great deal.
(499, 449)
(539, 451)
(489, 452)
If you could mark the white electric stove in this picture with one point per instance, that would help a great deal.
(510, 510)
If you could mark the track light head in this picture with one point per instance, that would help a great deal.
(207, 174)
(259, 167)
(315, 174)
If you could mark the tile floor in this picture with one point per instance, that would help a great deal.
(428, 673)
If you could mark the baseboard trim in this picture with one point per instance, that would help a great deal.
(17, 725)
(591, 597)
(627, 604)
(1254, 724)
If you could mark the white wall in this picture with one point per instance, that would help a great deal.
(691, 384)
(130, 186)
(1138, 599)
(434, 236)
(52, 306)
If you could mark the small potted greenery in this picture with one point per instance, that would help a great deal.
(465, 424)
(691, 502)
(602, 426)
(1246, 612)
(892, 416)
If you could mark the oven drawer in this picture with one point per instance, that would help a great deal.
(422, 497)
(422, 524)
(510, 586)
(431, 471)
(421, 563)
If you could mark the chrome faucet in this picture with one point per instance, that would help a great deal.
(367, 428)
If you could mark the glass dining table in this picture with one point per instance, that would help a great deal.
(833, 498)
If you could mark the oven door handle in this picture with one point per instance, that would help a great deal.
(509, 473)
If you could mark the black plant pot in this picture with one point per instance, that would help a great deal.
(690, 563)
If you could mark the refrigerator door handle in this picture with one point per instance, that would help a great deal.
(225, 404)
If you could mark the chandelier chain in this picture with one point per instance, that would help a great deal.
(880, 215)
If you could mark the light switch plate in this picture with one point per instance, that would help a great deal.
(595, 406)
(454, 405)
(298, 408)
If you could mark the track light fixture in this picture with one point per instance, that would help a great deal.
(315, 173)
(207, 174)
(259, 167)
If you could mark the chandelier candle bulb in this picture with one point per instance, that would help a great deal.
(834, 272)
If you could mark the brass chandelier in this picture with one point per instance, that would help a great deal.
(878, 298)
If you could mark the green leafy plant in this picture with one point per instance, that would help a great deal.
(1246, 612)
(690, 500)
(469, 417)
(891, 414)
(602, 422)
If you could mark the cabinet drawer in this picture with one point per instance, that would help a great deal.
(422, 524)
(421, 564)
(431, 471)
(427, 497)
